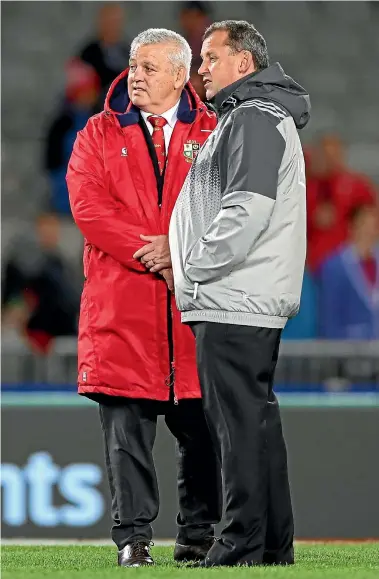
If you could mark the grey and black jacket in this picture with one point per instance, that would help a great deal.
(238, 230)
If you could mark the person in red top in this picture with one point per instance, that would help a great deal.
(136, 359)
(333, 190)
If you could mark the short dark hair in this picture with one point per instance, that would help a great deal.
(196, 6)
(243, 36)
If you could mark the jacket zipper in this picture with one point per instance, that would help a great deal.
(89, 248)
(170, 380)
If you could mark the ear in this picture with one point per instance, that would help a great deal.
(246, 63)
(180, 77)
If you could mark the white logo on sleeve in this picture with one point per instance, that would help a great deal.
(124, 152)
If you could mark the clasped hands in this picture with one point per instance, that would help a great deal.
(155, 256)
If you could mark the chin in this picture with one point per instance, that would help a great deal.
(209, 93)
(140, 100)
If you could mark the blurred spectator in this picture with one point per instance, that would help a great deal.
(82, 92)
(194, 18)
(108, 54)
(38, 296)
(333, 190)
(349, 282)
(304, 325)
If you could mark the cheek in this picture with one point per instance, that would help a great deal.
(164, 87)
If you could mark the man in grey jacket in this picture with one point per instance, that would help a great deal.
(238, 244)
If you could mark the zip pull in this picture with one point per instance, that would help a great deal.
(231, 100)
(195, 288)
(176, 401)
(171, 377)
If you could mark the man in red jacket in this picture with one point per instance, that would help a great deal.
(136, 359)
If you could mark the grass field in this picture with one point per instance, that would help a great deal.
(313, 561)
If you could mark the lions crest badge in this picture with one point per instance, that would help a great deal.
(190, 150)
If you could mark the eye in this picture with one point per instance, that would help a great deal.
(148, 69)
(212, 58)
(132, 68)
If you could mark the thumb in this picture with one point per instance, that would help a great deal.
(148, 237)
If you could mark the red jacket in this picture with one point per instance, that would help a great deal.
(123, 346)
(344, 191)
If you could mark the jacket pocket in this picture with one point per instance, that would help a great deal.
(186, 294)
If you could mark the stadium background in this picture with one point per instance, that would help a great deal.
(53, 480)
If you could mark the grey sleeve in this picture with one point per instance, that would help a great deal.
(249, 162)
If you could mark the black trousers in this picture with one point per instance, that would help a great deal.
(236, 367)
(129, 429)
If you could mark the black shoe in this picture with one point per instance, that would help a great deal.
(197, 564)
(271, 558)
(187, 553)
(135, 555)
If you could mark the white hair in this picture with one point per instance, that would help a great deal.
(180, 56)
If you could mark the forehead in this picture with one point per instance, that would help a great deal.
(216, 41)
(155, 53)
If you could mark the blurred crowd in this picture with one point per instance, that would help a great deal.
(340, 300)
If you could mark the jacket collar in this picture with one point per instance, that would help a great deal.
(224, 99)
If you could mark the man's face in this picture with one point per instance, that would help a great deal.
(111, 22)
(153, 82)
(366, 226)
(219, 68)
(332, 152)
(48, 231)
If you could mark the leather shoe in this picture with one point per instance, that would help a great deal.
(187, 553)
(135, 555)
(272, 558)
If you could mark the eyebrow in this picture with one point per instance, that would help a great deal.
(144, 62)
(208, 53)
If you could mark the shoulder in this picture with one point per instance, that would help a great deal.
(61, 123)
(89, 50)
(257, 125)
(260, 110)
(207, 119)
(255, 117)
(95, 125)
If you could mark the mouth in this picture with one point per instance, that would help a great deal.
(206, 81)
(138, 89)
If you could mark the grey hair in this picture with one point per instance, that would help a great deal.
(180, 56)
(243, 36)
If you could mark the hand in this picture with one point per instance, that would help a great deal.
(156, 254)
(169, 278)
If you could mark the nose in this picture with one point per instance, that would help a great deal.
(202, 68)
(137, 74)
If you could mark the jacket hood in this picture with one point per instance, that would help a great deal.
(117, 102)
(271, 83)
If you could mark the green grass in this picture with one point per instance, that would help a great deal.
(317, 561)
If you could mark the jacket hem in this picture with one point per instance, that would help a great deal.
(88, 390)
(238, 318)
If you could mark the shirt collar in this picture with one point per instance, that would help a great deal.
(171, 115)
